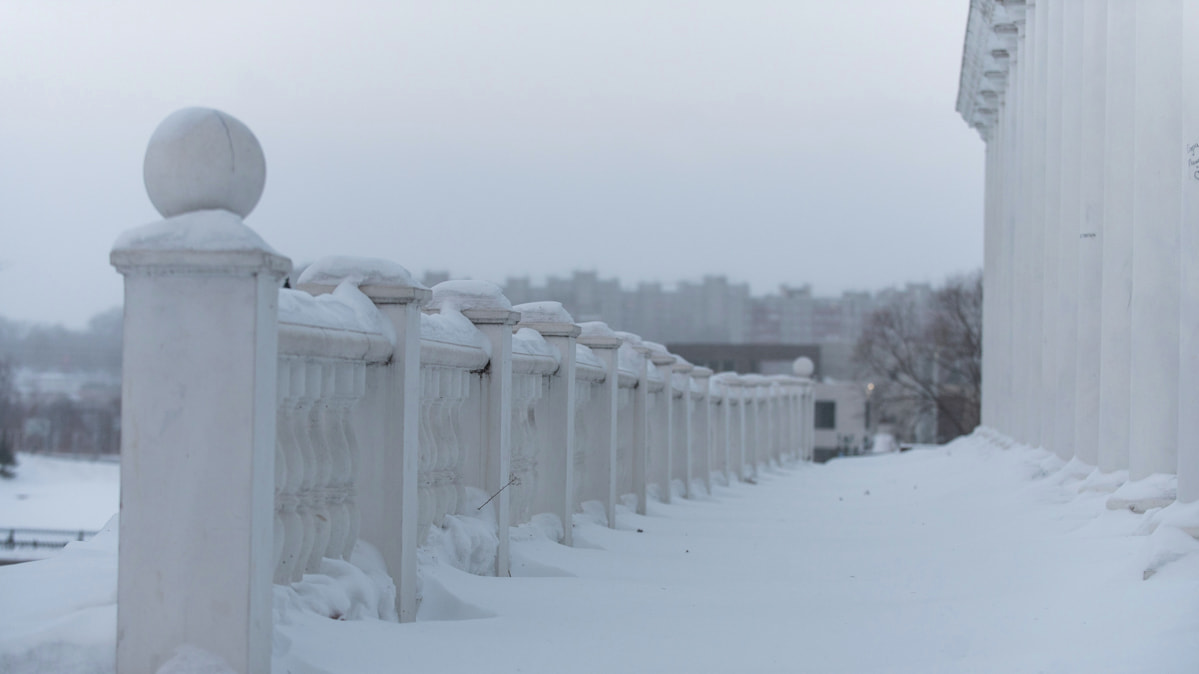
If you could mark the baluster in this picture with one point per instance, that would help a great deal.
(319, 377)
(426, 498)
(301, 380)
(281, 448)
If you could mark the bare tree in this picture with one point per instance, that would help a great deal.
(8, 420)
(925, 359)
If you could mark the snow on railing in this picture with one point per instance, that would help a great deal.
(268, 428)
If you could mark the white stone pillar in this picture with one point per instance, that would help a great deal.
(739, 390)
(1032, 222)
(1188, 384)
(604, 343)
(681, 450)
(485, 306)
(1006, 366)
(388, 462)
(1050, 225)
(663, 361)
(803, 368)
(641, 447)
(1091, 232)
(1157, 186)
(701, 445)
(991, 276)
(556, 466)
(1068, 225)
(198, 404)
(1115, 339)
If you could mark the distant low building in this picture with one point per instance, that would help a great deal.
(842, 420)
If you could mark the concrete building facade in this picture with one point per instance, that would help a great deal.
(1091, 305)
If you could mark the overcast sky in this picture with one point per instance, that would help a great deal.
(782, 142)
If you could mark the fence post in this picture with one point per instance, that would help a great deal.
(803, 368)
(484, 304)
(641, 429)
(664, 361)
(683, 443)
(386, 478)
(700, 438)
(743, 418)
(198, 403)
(602, 340)
(558, 488)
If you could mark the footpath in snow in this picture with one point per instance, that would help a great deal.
(963, 558)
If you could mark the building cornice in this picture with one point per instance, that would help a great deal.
(993, 31)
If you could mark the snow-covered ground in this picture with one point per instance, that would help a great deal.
(963, 558)
(60, 493)
(51, 495)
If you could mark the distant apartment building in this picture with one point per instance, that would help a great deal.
(715, 311)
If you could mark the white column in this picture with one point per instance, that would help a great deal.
(1032, 222)
(486, 307)
(556, 466)
(664, 362)
(1091, 232)
(1068, 227)
(991, 275)
(681, 450)
(389, 455)
(1010, 413)
(1115, 351)
(742, 391)
(700, 440)
(1050, 223)
(198, 405)
(641, 447)
(1188, 384)
(1157, 186)
(602, 473)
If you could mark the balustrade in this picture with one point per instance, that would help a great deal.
(363, 405)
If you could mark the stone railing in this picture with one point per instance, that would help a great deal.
(268, 429)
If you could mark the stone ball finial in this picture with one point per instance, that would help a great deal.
(802, 367)
(200, 159)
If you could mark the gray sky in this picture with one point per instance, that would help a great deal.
(784, 141)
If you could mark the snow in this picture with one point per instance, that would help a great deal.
(595, 329)
(628, 358)
(464, 295)
(346, 308)
(543, 312)
(451, 327)
(530, 342)
(962, 558)
(206, 230)
(57, 493)
(1155, 490)
(884, 443)
(586, 357)
(333, 269)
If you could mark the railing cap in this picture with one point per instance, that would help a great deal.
(659, 354)
(480, 301)
(207, 240)
(549, 318)
(632, 339)
(701, 372)
(383, 281)
(597, 335)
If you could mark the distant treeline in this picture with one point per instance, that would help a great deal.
(60, 349)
